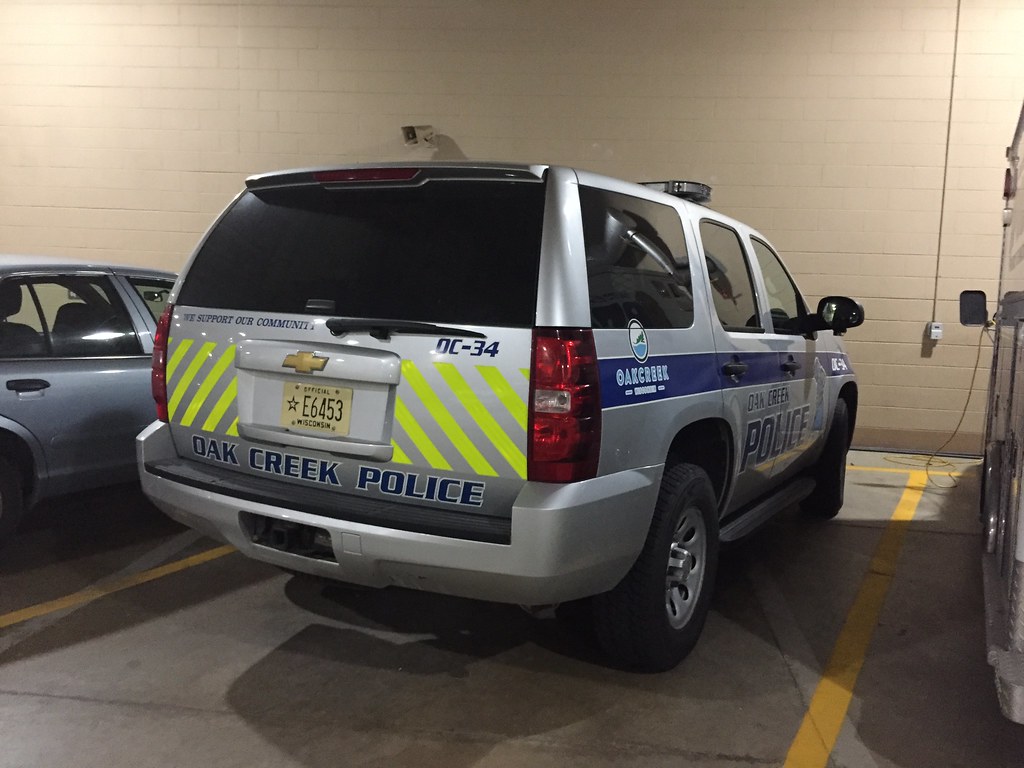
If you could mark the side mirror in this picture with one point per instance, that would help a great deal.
(839, 313)
(973, 308)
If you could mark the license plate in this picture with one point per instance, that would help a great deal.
(316, 408)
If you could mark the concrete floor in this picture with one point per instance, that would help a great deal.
(232, 662)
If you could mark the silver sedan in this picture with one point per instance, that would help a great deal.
(76, 341)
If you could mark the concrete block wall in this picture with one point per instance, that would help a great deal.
(865, 138)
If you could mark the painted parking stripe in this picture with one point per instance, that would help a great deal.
(90, 594)
(898, 471)
(824, 718)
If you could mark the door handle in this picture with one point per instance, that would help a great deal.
(791, 366)
(27, 385)
(735, 369)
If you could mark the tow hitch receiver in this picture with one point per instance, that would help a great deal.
(288, 536)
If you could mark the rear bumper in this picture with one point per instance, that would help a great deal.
(566, 542)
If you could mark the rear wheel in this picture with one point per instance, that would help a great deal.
(651, 620)
(12, 502)
(830, 472)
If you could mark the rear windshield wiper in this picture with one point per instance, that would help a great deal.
(382, 329)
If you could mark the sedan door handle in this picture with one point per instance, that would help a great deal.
(735, 368)
(791, 366)
(27, 385)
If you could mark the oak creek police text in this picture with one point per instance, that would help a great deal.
(768, 437)
(411, 485)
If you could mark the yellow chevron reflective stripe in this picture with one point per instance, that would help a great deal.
(419, 438)
(182, 386)
(186, 378)
(204, 395)
(400, 456)
(444, 420)
(225, 400)
(207, 386)
(503, 391)
(525, 372)
(178, 356)
(482, 417)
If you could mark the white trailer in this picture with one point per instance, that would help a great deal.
(1002, 496)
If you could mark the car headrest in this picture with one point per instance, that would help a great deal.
(75, 318)
(10, 299)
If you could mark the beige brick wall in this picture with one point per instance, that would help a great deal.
(126, 127)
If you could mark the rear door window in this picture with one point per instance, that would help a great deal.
(65, 316)
(637, 262)
(460, 252)
(153, 292)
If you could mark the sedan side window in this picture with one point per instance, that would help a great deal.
(67, 316)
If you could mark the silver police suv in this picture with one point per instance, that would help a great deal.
(528, 384)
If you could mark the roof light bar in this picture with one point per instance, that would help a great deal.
(693, 191)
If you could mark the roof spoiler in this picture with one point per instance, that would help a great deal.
(393, 174)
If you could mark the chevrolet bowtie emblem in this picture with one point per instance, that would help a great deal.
(305, 362)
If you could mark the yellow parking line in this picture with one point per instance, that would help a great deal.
(89, 594)
(907, 471)
(825, 715)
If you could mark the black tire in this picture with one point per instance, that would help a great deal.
(12, 500)
(651, 620)
(830, 472)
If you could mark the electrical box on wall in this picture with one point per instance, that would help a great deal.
(934, 330)
(419, 135)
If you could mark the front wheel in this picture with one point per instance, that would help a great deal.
(651, 620)
(830, 472)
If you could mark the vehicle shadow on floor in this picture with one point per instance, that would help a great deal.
(460, 630)
(84, 524)
(459, 679)
(70, 543)
(416, 673)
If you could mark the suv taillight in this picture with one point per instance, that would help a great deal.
(565, 406)
(159, 377)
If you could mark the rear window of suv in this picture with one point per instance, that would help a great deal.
(637, 263)
(465, 252)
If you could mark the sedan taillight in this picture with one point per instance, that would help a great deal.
(159, 376)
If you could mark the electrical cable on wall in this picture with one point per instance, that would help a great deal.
(945, 162)
(931, 461)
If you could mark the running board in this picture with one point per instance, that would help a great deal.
(1004, 645)
(764, 510)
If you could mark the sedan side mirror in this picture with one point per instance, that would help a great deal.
(838, 313)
